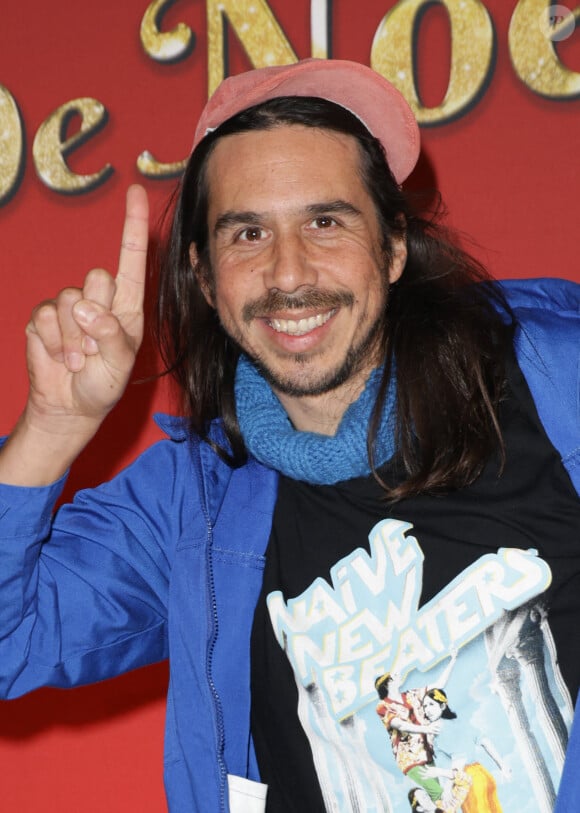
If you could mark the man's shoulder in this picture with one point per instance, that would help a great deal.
(543, 294)
(547, 345)
(248, 483)
(547, 314)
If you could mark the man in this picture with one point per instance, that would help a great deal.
(346, 382)
(411, 729)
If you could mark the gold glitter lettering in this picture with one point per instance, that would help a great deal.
(164, 46)
(534, 56)
(471, 54)
(257, 30)
(51, 146)
(11, 145)
(149, 166)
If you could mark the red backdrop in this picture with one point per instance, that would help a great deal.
(505, 158)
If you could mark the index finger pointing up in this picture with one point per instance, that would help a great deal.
(133, 256)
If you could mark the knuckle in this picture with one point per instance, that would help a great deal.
(68, 296)
(104, 326)
(133, 243)
(109, 327)
(99, 286)
(98, 276)
(44, 312)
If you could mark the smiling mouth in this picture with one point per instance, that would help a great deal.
(300, 327)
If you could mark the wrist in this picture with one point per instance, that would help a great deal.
(40, 450)
(58, 427)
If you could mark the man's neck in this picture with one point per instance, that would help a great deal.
(322, 413)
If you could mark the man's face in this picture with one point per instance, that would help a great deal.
(298, 273)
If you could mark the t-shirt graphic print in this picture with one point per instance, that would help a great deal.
(421, 654)
(456, 704)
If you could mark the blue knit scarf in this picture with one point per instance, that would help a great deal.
(309, 456)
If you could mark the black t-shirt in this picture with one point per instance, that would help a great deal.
(476, 592)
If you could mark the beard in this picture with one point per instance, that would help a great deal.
(308, 379)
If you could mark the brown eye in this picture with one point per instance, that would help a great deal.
(251, 234)
(323, 222)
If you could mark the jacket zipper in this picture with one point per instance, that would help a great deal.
(218, 716)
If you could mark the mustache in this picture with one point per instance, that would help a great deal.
(316, 298)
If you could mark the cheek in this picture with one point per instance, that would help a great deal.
(224, 306)
(237, 284)
(230, 297)
(207, 284)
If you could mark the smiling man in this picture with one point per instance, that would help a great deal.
(377, 470)
(299, 276)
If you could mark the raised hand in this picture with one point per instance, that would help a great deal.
(81, 347)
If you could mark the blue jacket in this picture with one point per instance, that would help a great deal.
(167, 560)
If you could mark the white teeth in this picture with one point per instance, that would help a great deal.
(301, 326)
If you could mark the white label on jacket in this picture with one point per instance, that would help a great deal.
(245, 795)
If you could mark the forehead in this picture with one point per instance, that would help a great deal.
(285, 164)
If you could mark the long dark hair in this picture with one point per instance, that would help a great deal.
(444, 337)
(440, 697)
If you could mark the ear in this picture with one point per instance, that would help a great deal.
(398, 258)
(202, 276)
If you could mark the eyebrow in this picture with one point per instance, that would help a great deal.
(333, 207)
(227, 220)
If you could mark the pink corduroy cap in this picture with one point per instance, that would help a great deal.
(359, 89)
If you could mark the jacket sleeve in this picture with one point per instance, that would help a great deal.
(83, 596)
(548, 348)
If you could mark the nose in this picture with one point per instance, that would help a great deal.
(290, 264)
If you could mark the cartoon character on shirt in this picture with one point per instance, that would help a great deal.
(410, 730)
(412, 736)
(470, 788)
